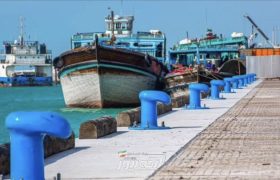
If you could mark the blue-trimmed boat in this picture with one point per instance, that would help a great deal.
(25, 63)
(212, 49)
(108, 73)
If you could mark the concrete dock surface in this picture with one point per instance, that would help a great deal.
(242, 144)
(187, 150)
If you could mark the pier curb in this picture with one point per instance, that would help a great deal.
(132, 116)
(97, 128)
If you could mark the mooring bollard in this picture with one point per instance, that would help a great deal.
(235, 82)
(195, 90)
(245, 79)
(149, 101)
(249, 78)
(227, 87)
(27, 130)
(240, 81)
(215, 91)
(254, 76)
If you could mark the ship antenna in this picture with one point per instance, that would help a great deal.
(21, 21)
(121, 7)
(206, 20)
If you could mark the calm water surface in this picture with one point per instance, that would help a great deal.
(44, 99)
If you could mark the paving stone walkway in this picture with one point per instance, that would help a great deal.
(244, 143)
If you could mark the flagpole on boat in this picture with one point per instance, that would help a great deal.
(197, 61)
(113, 28)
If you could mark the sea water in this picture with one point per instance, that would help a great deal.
(44, 99)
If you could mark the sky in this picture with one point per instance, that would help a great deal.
(55, 21)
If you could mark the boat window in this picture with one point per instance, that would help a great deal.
(142, 45)
(159, 51)
(123, 44)
(77, 45)
(123, 26)
(118, 25)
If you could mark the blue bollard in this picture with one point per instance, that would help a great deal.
(27, 130)
(254, 75)
(215, 92)
(195, 89)
(228, 82)
(244, 76)
(245, 79)
(249, 78)
(149, 101)
(235, 82)
(240, 81)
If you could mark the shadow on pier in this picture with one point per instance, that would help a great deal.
(61, 155)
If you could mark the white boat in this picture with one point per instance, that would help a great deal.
(25, 63)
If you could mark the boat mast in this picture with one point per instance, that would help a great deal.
(21, 21)
(113, 38)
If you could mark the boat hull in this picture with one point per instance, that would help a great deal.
(104, 76)
(99, 85)
(25, 81)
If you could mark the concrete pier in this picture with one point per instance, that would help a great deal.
(130, 154)
(244, 143)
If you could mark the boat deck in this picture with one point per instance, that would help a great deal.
(131, 154)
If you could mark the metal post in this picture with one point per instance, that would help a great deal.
(27, 130)
(149, 101)
(228, 83)
(195, 90)
(215, 92)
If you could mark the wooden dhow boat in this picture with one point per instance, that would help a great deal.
(101, 76)
(177, 81)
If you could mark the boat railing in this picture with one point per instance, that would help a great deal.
(147, 35)
(29, 43)
(86, 36)
(222, 47)
(216, 43)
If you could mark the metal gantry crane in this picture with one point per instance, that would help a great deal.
(259, 30)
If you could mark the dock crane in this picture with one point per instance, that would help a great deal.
(259, 30)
